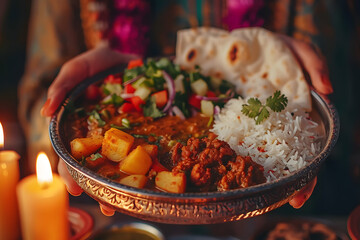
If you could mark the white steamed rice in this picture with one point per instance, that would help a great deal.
(282, 144)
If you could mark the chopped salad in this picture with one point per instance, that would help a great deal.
(157, 88)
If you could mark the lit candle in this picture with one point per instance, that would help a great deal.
(9, 177)
(43, 204)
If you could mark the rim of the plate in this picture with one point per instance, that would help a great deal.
(61, 150)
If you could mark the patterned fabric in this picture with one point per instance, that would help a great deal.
(130, 26)
(95, 21)
(130, 21)
(244, 13)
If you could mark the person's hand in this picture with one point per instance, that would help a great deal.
(314, 64)
(75, 189)
(303, 195)
(77, 69)
(71, 74)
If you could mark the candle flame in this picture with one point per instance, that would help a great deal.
(1, 136)
(43, 169)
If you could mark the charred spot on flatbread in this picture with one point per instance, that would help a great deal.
(237, 52)
(212, 52)
(191, 55)
(218, 75)
(243, 79)
(233, 53)
(264, 75)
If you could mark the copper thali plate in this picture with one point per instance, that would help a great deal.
(192, 208)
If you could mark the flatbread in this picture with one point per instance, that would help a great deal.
(254, 59)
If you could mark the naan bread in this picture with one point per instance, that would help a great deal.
(254, 59)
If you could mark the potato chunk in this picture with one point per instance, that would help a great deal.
(137, 181)
(152, 150)
(116, 144)
(85, 146)
(137, 162)
(171, 182)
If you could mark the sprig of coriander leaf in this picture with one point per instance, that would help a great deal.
(277, 102)
(95, 115)
(259, 112)
(150, 109)
(95, 156)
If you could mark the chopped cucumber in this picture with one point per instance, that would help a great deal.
(142, 92)
(215, 82)
(199, 87)
(113, 99)
(158, 73)
(112, 88)
(179, 84)
(137, 84)
(207, 108)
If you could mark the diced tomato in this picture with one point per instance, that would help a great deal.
(113, 79)
(260, 149)
(129, 89)
(92, 92)
(127, 107)
(161, 98)
(194, 101)
(157, 166)
(135, 63)
(210, 94)
(137, 102)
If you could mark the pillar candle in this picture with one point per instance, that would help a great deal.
(43, 204)
(9, 177)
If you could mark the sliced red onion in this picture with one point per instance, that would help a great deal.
(216, 110)
(171, 112)
(127, 95)
(134, 79)
(178, 112)
(215, 99)
(171, 90)
(193, 111)
(230, 93)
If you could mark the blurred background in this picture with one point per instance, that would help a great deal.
(338, 188)
(14, 19)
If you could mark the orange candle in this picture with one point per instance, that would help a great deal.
(43, 204)
(9, 177)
